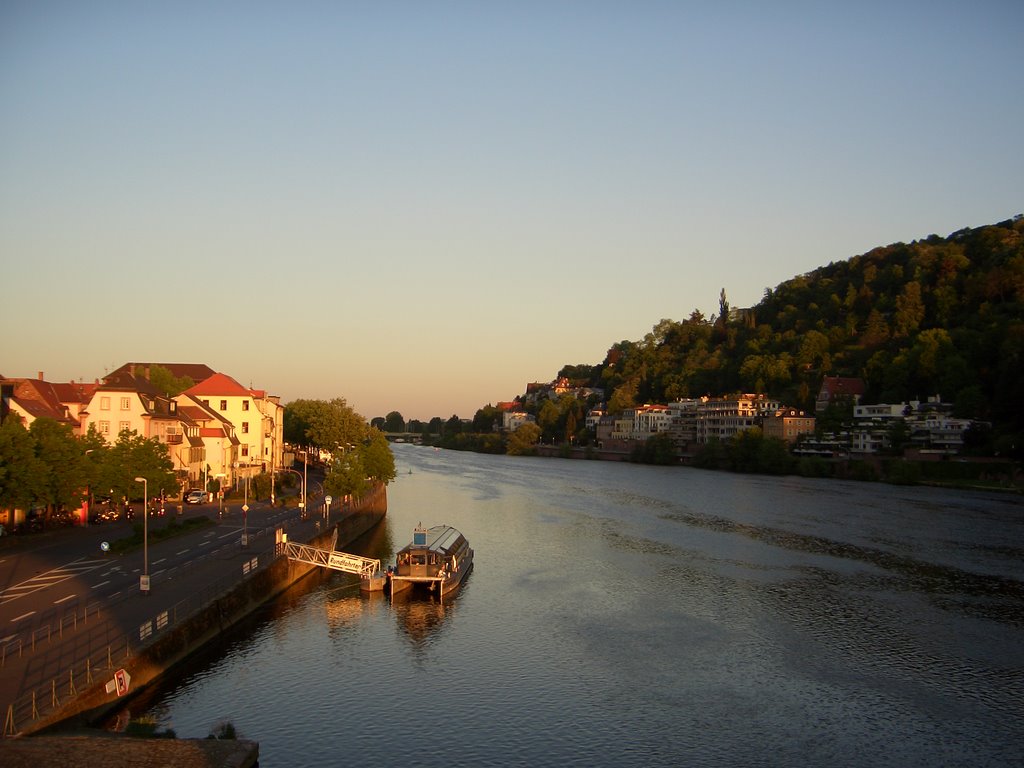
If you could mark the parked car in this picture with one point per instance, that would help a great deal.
(195, 496)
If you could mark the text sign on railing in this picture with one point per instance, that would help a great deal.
(341, 561)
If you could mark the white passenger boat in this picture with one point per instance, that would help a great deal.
(437, 560)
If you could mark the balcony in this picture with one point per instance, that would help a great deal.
(173, 439)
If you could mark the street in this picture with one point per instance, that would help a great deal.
(68, 605)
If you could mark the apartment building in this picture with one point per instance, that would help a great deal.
(787, 424)
(258, 420)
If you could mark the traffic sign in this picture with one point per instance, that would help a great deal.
(122, 680)
(327, 500)
(245, 507)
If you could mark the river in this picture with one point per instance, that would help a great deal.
(622, 614)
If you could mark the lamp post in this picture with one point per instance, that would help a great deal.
(144, 579)
(245, 515)
(220, 492)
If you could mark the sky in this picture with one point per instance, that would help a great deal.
(422, 206)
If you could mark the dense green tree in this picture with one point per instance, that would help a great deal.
(378, 460)
(66, 473)
(487, 419)
(346, 476)
(328, 424)
(136, 456)
(523, 441)
(165, 381)
(394, 422)
(22, 475)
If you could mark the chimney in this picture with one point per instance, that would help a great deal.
(41, 376)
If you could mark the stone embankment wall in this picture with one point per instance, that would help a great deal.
(208, 623)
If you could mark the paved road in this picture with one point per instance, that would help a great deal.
(66, 605)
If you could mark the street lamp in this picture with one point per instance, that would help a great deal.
(144, 579)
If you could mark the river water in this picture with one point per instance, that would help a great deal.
(621, 614)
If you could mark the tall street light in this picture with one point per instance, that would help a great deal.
(144, 579)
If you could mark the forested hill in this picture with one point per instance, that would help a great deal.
(939, 316)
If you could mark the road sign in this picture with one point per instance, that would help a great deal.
(144, 583)
(327, 500)
(245, 507)
(122, 680)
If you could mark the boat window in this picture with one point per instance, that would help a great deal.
(419, 559)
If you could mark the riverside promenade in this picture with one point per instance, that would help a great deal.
(72, 617)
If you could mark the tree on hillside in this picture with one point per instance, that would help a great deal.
(523, 441)
(487, 419)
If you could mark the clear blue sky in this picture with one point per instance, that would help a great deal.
(422, 206)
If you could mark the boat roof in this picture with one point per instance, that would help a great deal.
(440, 538)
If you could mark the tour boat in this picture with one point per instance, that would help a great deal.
(437, 560)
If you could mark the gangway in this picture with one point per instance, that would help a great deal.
(365, 567)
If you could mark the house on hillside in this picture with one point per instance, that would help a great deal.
(837, 390)
(787, 424)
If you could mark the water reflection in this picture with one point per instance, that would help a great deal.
(649, 616)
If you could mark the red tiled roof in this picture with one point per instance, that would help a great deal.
(218, 384)
(839, 385)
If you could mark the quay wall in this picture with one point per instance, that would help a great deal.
(204, 626)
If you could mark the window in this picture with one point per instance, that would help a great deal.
(245, 450)
(206, 403)
(104, 427)
(126, 403)
(123, 425)
(245, 427)
(104, 403)
(223, 405)
(245, 405)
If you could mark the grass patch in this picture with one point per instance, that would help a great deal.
(173, 529)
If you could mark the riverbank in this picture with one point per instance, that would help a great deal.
(148, 663)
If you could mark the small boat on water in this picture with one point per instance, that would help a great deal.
(437, 560)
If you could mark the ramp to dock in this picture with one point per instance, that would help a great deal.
(365, 567)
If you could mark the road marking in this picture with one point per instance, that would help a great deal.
(102, 583)
(203, 543)
(49, 578)
(23, 616)
(64, 599)
(182, 552)
(157, 562)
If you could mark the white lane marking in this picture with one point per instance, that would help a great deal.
(64, 599)
(49, 578)
(23, 616)
(102, 583)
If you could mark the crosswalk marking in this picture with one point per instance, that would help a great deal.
(49, 578)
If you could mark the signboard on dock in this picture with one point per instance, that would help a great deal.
(341, 561)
